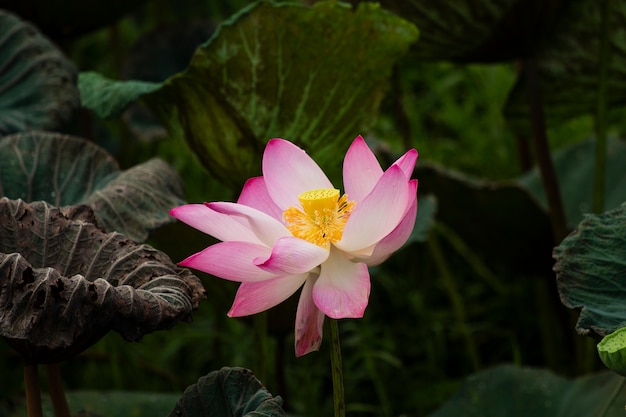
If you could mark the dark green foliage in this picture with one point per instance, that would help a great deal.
(476, 30)
(65, 170)
(575, 170)
(108, 98)
(480, 213)
(250, 83)
(472, 289)
(37, 82)
(228, 392)
(521, 392)
(568, 65)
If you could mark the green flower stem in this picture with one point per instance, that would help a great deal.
(56, 391)
(33, 391)
(600, 165)
(618, 388)
(337, 372)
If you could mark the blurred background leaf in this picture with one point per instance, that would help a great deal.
(477, 30)
(575, 170)
(65, 170)
(568, 66)
(37, 82)
(521, 392)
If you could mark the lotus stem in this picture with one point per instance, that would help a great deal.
(56, 391)
(337, 370)
(33, 390)
(599, 183)
(542, 150)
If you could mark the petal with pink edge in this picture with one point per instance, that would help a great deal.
(309, 321)
(254, 194)
(233, 261)
(343, 287)
(218, 225)
(254, 297)
(266, 228)
(291, 255)
(394, 240)
(361, 170)
(379, 213)
(407, 162)
(288, 171)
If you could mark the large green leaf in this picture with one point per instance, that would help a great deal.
(65, 170)
(575, 167)
(313, 75)
(590, 265)
(480, 212)
(523, 392)
(64, 282)
(109, 98)
(476, 30)
(37, 83)
(228, 392)
(568, 65)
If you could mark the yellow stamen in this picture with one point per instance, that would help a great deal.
(322, 218)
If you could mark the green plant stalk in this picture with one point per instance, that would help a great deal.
(456, 299)
(339, 402)
(56, 391)
(542, 152)
(471, 258)
(385, 404)
(33, 391)
(618, 388)
(599, 183)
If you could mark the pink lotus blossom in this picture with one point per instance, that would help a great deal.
(291, 228)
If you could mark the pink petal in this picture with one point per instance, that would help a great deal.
(218, 225)
(309, 321)
(291, 255)
(288, 171)
(343, 288)
(254, 194)
(394, 240)
(379, 213)
(407, 162)
(361, 170)
(254, 297)
(266, 228)
(233, 261)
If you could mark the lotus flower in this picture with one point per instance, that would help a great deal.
(291, 228)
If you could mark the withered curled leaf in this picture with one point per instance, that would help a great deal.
(64, 282)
